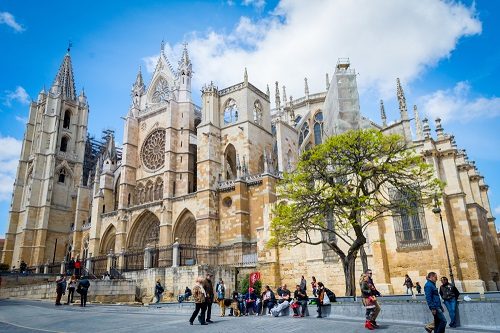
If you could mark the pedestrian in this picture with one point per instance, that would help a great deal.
(434, 303)
(303, 283)
(199, 295)
(209, 299)
(314, 286)
(158, 290)
(71, 289)
(83, 289)
(409, 284)
(221, 293)
(300, 300)
(375, 293)
(368, 301)
(268, 300)
(60, 288)
(78, 268)
(418, 287)
(23, 267)
(320, 291)
(449, 293)
(71, 266)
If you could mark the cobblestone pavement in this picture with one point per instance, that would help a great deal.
(22, 316)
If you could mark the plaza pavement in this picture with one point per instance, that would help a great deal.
(23, 316)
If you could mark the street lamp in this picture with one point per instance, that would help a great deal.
(437, 210)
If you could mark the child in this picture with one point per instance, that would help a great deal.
(418, 287)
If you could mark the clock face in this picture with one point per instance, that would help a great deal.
(153, 150)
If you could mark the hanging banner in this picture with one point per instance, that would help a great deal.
(254, 277)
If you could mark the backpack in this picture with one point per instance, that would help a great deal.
(331, 295)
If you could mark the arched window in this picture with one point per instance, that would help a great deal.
(230, 159)
(62, 176)
(230, 112)
(261, 164)
(304, 131)
(297, 119)
(318, 128)
(257, 113)
(64, 143)
(67, 119)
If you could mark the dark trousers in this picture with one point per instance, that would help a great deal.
(83, 298)
(303, 307)
(59, 296)
(201, 317)
(439, 321)
(209, 308)
(267, 305)
(71, 294)
(319, 309)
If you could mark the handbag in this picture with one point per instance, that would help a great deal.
(326, 300)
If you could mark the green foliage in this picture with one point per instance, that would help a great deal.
(4, 267)
(351, 179)
(244, 284)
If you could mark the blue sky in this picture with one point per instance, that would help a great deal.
(445, 53)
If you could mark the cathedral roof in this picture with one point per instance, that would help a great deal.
(64, 79)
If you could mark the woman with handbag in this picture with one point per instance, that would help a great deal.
(322, 298)
(71, 289)
(368, 301)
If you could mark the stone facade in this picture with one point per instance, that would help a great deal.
(205, 176)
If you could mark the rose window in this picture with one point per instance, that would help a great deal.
(162, 92)
(153, 150)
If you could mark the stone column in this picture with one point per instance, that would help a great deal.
(175, 254)
(88, 265)
(37, 269)
(109, 263)
(147, 258)
(121, 259)
(46, 268)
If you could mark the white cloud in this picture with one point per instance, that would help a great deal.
(20, 95)
(255, 3)
(457, 104)
(10, 150)
(8, 19)
(22, 120)
(497, 210)
(383, 40)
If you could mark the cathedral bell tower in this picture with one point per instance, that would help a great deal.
(49, 174)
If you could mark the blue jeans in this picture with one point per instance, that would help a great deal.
(439, 321)
(451, 306)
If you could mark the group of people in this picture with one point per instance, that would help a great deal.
(449, 293)
(81, 286)
(268, 302)
(409, 285)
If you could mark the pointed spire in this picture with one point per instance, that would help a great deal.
(277, 98)
(245, 77)
(185, 55)
(82, 98)
(418, 124)
(162, 46)
(238, 167)
(306, 87)
(382, 113)
(427, 129)
(284, 96)
(439, 129)
(327, 82)
(402, 101)
(64, 81)
(139, 82)
(110, 150)
(268, 93)
(292, 112)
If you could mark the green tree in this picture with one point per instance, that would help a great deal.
(245, 283)
(345, 184)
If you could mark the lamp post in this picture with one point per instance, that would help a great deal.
(437, 210)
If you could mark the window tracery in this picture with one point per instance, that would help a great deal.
(257, 113)
(161, 91)
(153, 150)
(318, 127)
(304, 132)
(230, 112)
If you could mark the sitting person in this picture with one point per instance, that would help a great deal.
(187, 293)
(300, 299)
(268, 300)
(283, 294)
(250, 300)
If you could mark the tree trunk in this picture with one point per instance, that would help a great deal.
(364, 258)
(349, 265)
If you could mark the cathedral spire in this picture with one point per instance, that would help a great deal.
(64, 81)
(284, 96)
(382, 113)
(402, 101)
(427, 129)
(185, 67)
(327, 82)
(292, 112)
(245, 77)
(418, 124)
(306, 87)
(277, 98)
(268, 93)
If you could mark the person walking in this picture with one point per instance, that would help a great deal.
(368, 301)
(375, 293)
(418, 287)
(209, 298)
(434, 303)
(314, 286)
(199, 295)
(300, 297)
(303, 283)
(83, 289)
(449, 293)
(71, 289)
(221, 294)
(78, 267)
(60, 288)
(409, 284)
(158, 291)
(71, 266)
(320, 291)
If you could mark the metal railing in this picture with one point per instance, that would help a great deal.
(162, 257)
(99, 265)
(133, 261)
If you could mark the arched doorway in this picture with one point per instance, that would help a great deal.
(108, 241)
(145, 232)
(185, 228)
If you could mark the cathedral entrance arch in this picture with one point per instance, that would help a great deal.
(108, 240)
(185, 228)
(145, 232)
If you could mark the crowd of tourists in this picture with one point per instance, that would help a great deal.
(80, 285)
(276, 303)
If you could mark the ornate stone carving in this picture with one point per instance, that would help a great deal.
(153, 150)
(161, 92)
